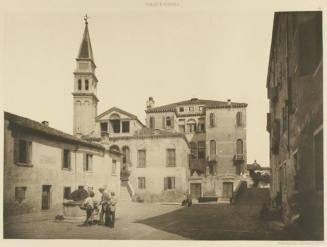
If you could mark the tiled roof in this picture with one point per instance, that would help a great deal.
(195, 101)
(85, 51)
(46, 130)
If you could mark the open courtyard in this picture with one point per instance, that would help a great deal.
(143, 221)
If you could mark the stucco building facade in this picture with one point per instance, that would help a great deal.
(295, 119)
(216, 132)
(42, 166)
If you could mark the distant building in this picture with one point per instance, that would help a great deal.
(195, 145)
(42, 166)
(295, 119)
(216, 132)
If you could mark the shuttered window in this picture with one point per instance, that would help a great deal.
(212, 147)
(87, 162)
(169, 183)
(171, 157)
(141, 182)
(141, 158)
(201, 150)
(22, 151)
(66, 157)
(239, 119)
(20, 194)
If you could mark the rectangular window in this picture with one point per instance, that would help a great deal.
(169, 183)
(141, 182)
(67, 192)
(171, 157)
(66, 159)
(181, 109)
(23, 151)
(115, 125)
(201, 108)
(20, 194)
(191, 108)
(201, 150)
(88, 162)
(125, 126)
(104, 127)
(114, 167)
(141, 158)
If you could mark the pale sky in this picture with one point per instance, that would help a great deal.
(215, 50)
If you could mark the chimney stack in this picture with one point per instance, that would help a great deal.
(45, 123)
(150, 103)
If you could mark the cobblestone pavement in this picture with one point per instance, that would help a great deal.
(151, 221)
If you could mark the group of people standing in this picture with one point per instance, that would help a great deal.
(106, 208)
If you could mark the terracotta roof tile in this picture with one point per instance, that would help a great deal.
(43, 129)
(195, 101)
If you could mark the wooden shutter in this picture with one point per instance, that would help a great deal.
(173, 182)
(91, 163)
(172, 122)
(165, 183)
(163, 122)
(69, 159)
(16, 150)
(29, 152)
(84, 162)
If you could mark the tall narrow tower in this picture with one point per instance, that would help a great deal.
(85, 88)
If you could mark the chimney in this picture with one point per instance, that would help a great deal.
(45, 123)
(229, 103)
(150, 103)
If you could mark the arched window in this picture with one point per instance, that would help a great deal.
(239, 146)
(126, 155)
(191, 125)
(114, 148)
(79, 84)
(212, 120)
(213, 147)
(239, 119)
(86, 84)
(194, 150)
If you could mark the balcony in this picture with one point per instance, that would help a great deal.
(197, 164)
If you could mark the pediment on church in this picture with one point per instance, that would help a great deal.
(115, 113)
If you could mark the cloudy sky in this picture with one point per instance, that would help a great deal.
(215, 50)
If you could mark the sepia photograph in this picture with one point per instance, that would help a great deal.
(163, 120)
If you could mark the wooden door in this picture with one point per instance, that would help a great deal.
(228, 189)
(195, 190)
(46, 196)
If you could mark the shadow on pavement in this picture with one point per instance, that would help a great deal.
(215, 222)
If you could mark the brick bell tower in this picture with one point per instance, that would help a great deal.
(85, 88)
